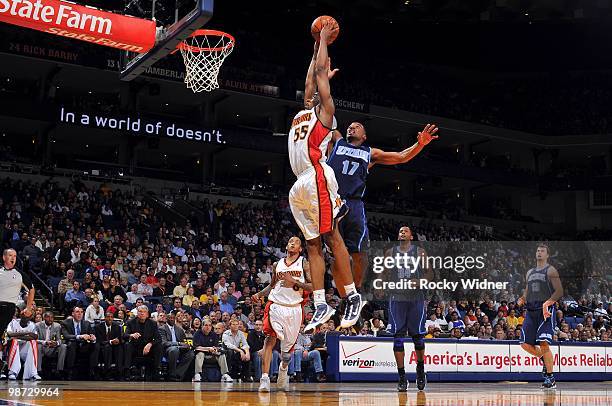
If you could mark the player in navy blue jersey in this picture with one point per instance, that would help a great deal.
(542, 291)
(351, 160)
(407, 311)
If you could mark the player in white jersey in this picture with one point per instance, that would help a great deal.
(283, 314)
(23, 348)
(314, 199)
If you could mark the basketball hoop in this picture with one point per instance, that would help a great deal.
(203, 53)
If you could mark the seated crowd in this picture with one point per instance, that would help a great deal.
(142, 296)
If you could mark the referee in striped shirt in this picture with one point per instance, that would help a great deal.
(11, 281)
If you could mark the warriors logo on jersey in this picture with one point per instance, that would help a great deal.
(284, 295)
(283, 314)
(314, 196)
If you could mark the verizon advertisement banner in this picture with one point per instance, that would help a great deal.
(79, 22)
(376, 356)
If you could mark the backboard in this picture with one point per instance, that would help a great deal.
(176, 20)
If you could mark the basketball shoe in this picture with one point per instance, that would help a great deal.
(352, 311)
(549, 382)
(402, 384)
(323, 312)
(283, 378)
(264, 384)
(421, 377)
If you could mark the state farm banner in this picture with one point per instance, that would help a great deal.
(79, 22)
(375, 355)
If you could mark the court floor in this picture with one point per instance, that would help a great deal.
(375, 394)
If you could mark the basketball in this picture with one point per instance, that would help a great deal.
(317, 26)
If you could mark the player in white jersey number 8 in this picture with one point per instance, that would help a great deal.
(283, 312)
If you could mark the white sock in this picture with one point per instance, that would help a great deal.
(285, 368)
(350, 289)
(264, 375)
(319, 296)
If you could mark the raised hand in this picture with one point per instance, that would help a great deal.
(327, 30)
(428, 134)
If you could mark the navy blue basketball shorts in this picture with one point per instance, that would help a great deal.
(354, 227)
(407, 318)
(535, 329)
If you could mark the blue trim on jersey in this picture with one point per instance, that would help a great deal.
(424, 331)
(365, 228)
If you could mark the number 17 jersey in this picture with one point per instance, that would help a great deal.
(350, 165)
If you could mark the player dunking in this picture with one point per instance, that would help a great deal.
(314, 199)
(283, 312)
(542, 291)
(351, 160)
(407, 314)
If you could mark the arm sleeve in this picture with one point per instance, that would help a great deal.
(66, 333)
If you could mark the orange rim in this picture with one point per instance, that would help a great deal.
(184, 46)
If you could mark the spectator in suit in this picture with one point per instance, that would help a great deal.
(108, 336)
(80, 340)
(175, 349)
(207, 346)
(50, 343)
(142, 338)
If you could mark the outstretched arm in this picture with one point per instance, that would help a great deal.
(326, 108)
(336, 135)
(310, 87)
(394, 158)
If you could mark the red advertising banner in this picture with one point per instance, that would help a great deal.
(80, 22)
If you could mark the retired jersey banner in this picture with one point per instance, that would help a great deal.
(80, 22)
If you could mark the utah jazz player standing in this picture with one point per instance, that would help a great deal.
(542, 291)
(351, 160)
(407, 312)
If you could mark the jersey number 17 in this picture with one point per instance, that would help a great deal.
(352, 170)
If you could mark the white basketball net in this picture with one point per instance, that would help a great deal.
(203, 54)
